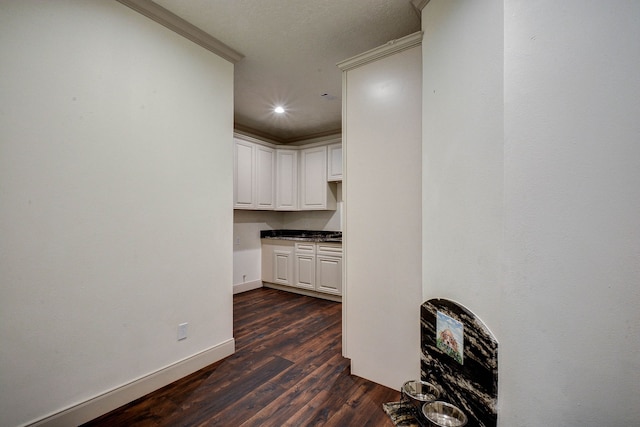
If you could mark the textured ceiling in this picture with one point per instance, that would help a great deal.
(291, 48)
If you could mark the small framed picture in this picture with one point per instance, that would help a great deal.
(450, 336)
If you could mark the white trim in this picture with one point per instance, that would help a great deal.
(178, 25)
(394, 46)
(311, 143)
(110, 400)
(247, 286)
(300, 145)
(320, 136)
(418, 5)
(301, 291)
(336, 139)
(254, 140)
(343, 220)
(317, 141)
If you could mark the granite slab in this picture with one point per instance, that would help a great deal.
(303, 235)
(460, 356)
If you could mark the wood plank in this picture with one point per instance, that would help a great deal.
(287, 405)
(287, 371)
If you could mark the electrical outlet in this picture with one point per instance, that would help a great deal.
(237, 241)
(182, 331)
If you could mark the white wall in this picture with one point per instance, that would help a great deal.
(565, 306)
(247, 250)
(572, 208)
(462, 180)
(116, 212)
(382, 217)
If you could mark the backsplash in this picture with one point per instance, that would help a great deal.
(460, 356)
(314, 220)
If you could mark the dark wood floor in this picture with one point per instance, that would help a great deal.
(287, 371)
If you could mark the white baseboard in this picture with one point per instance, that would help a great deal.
(99, 405)
(301, 291)
(247, 286)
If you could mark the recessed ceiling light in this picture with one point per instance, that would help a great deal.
(279, 110)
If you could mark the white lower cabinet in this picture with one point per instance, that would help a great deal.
(277, 262)
(306, 271)
(329, 269)
(310, 266)
(305, 267)
(282, 267)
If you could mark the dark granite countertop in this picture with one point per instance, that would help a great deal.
(303, 235)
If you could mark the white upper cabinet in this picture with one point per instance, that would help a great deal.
(334, 162)
(265, 177)
(254, 176)
(286, 179)
(315, 192)
(244, 179)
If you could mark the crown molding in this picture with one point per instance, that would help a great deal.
(327, 137)
(240, 129)
(255, 139)
(418, 5)
(335, 137)
(330, 135)
(394, 46)
(178, 25)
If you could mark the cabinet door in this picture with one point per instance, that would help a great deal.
(286, 180)
(283, 267)
(314, 189)
(329, 274)
(305, 271)
(313, 164)
(265, 165)
(244, 181)
(334, 162)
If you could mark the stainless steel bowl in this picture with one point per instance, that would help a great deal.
(416, 393)
(443, 414)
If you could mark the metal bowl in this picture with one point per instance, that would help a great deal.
(443, 414)
(417, 393)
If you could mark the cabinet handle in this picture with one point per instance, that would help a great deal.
(331, 249)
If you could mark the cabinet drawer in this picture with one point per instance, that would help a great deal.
(305, 248)
(330, 249)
